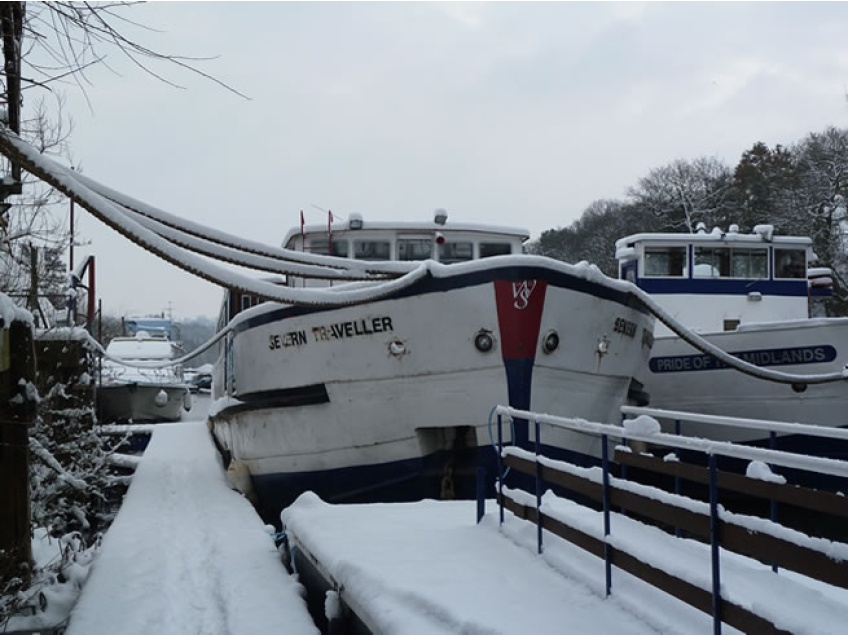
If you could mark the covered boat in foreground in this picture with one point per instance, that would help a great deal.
(391, 399)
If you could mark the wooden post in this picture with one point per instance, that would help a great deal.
(17, 385)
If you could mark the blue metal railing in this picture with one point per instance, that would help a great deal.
(711, 448)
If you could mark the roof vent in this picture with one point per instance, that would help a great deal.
(355, 221)
(733, 229)
(701, 228)
(441, 216)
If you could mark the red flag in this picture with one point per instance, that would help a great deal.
(329, 227)
(302, 241)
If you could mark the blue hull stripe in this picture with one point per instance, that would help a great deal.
(726, 286)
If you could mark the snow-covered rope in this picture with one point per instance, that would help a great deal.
(185, 226)
(73, 185)
(63, 180)
(95, 346)
(705, 346)
(244, 259)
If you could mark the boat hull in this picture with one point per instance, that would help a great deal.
(138, 402)
(682, 378)
(391, 400)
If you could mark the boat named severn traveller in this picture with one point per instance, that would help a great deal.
(390, 399)
(752, 295)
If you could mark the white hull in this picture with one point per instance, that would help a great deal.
(392, 381)
(141, 402)
(679, 380)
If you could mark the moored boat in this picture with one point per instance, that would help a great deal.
(390, 399)
(138, 382)
(754, 296)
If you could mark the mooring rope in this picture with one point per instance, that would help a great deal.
(68, 183)
(112, 209)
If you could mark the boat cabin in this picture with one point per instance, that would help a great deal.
(357, 238)
(405, 241)
(717, 281)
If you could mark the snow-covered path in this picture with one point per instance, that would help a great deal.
(186, 554)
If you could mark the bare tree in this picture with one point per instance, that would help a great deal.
(47, 47)
(684, 193)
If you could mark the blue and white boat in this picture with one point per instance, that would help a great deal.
(754, 296)
(391, 399)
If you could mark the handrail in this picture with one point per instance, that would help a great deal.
(814, 430)
(835, 467)
(723, 529)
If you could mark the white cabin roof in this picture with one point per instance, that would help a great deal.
(142, 348)
(624, 246)
(395, 227)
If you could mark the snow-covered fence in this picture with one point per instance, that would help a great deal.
(765, 485)
(760, 539)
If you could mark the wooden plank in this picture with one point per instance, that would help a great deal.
(806, 498)
(733, 537)
(701, 599)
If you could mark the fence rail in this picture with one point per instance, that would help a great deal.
(768, 543)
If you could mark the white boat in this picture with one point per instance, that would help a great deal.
(752, 295)
(390, 399)
(138, 383)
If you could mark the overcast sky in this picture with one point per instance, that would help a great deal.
(516, 113)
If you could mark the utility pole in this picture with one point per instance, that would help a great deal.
(11, 33)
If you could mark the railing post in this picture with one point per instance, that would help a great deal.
(481, 492)
(677, 430)
(607, 550)
(538, 447)
(500, 467)
(772, 502)
(714, 545)
(623, 443)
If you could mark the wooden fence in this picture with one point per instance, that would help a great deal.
(676, 515)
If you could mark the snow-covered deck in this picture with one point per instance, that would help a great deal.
(187, 554)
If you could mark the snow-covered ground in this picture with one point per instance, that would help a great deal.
(187, 554)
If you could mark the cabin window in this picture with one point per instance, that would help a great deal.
(748, 263)
(329, 248)
(665, 261)
(494, 249)
(245, 301)
(711, 262)
(730, 324)
(414, 249)
(456, 251)
(790, 263)
(372, 250)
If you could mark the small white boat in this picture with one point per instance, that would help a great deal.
(390, 399)
(138, 383)
(752, 295)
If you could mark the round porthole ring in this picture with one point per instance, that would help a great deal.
(483, 341)
(550, 342)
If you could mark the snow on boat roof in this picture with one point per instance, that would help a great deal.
(410, 226)
(762, 234)
(135, 348)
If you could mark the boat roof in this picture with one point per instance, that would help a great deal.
(762, 234)
(141, 347)
(408, 226)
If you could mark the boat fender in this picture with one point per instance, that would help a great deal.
(238, 474)
(161, 398)
(187, 401)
